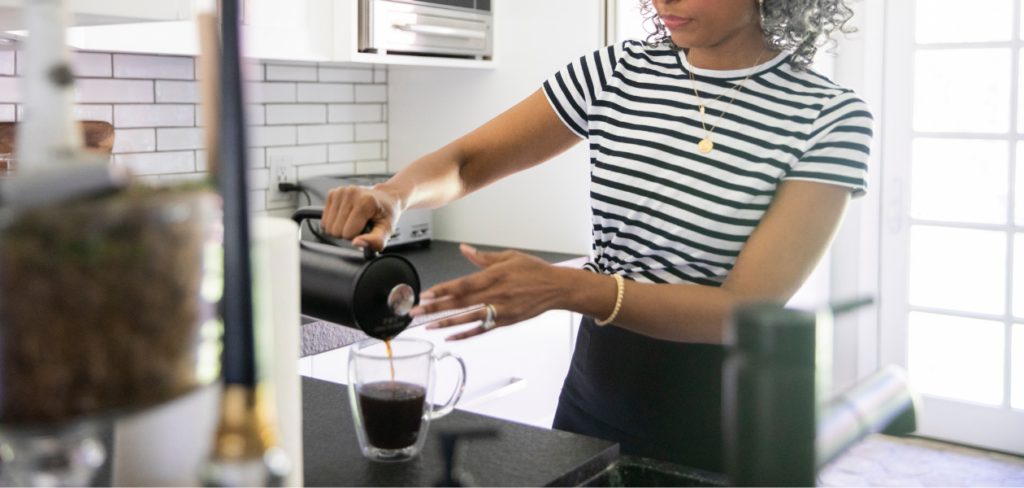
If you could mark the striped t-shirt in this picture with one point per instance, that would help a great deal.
(663, 212)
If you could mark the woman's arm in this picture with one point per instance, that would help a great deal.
(526, 135)
(781, 253)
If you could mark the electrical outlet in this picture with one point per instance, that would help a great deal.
(281, 171)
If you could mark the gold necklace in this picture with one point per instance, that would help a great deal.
(705, 146)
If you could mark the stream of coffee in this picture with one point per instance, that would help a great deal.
(391, 362)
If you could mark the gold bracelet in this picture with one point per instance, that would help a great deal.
(618, 301)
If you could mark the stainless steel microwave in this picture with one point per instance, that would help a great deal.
(449, 28)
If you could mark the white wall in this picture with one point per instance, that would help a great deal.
(546, 208)
(856, 250)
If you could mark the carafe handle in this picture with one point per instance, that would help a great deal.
(316, 213)
(457, 395)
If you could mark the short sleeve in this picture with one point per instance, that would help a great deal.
(839, 145)
(573, 89)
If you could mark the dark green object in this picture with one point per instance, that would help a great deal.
(779, 421)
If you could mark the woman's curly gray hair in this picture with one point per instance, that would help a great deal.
(799, 26)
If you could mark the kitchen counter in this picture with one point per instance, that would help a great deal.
(440, 262)
(443, 261)
(520, 455)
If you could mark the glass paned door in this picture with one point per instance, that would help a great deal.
(952, 273)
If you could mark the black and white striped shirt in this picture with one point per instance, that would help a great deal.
(662, 211)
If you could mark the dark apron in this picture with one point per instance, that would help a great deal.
(658, 399)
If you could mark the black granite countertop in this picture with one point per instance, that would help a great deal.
(520, 455)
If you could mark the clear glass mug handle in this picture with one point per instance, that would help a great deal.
(448, 407)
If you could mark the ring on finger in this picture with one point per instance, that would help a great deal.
(492, 317)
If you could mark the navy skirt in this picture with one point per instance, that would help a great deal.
(658, 399)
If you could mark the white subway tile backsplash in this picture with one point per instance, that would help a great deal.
(270, 92)
(371, 132)
(154, 67)
(177, 92)
(344, 75)
(385, 112)
(8, 66)
(158, 163)
(255, 115)
(371, 167)
(202, 160)
(320, 117)
(325, 134)
(134, 140)
(257, 200)
(92, 65)
(154, 116)
(180, 139)
(183, 177)
(251, 71)
(91, 90)
(259, 179)
(298, 155)
(296, 114)
(354, 113)
(276, 72)
(360, 151)
(326, 92)
(103, 113)
(326, 170)
(9, 90)
(270, 135)
(257, 157)
(371, 93)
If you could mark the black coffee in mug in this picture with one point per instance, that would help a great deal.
(392, 413)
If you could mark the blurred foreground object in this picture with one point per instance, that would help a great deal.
(246, 450)
(779, 421)
(108, 306)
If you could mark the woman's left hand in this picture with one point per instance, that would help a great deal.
(517, 285)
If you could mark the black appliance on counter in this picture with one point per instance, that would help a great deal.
(358, 289)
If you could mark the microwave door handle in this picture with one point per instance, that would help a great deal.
(436, 30)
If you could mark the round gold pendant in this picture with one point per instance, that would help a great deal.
(705, 146)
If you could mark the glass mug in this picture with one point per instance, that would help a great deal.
(389, 396)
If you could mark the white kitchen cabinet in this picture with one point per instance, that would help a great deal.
(96, 12)
(284, 30)
(513, 373)
(290, 30)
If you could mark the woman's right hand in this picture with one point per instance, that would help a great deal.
(348, 209)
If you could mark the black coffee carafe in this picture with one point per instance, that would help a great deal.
(359, 289)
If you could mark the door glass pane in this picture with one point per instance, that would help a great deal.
(962, 90)
(958, 269)
(942, 21)
(960, 180)
(1018, 275)
(1017, 363)
(956, 357)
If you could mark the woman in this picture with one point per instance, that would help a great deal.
(721, 168)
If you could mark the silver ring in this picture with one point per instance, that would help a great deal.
(492, 316)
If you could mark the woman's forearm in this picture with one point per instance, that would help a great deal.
(431, 181)
(681, 313)
(524, 136)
